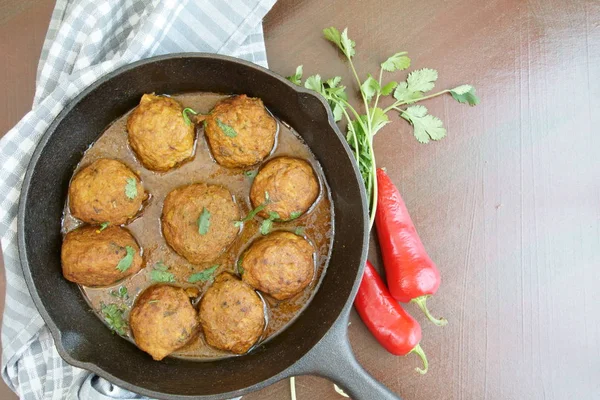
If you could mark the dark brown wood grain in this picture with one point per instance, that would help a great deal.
(508, 204)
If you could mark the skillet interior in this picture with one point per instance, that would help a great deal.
(80, 337)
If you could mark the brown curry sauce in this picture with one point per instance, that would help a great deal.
(317, 223)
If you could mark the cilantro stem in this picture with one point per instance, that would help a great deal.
(378, 94)
(361, 93)
(373, 198)
(401, 103)
(398, 109)
(351, 129)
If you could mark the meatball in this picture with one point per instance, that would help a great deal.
(232, 315)
(106, 191)
(163, 320)
(198, 221)
(240, 131)
(158, 133)
(94, 257)
(291, 184)
(280, 264)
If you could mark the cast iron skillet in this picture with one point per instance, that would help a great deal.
(316, 343)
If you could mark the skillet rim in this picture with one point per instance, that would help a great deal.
(56, 332)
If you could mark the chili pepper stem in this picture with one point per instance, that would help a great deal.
(419, 351)
(422, 303)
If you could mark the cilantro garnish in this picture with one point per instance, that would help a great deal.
(226, 129)
(203, 275)
(160, 273)
(131, 188)
(204, 221)
(125, 262)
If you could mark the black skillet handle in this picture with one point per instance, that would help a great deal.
(332, 358)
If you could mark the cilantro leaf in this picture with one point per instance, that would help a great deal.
(418, 82)
(266, 226)
(333, 82)
(299, 231)
(347, 44)
(203, 275)
(404, 94)
(388, 88)
(131, 188)
(314, 83)
(295, 214)
(273, 215)
(103, 226)
(160, 273)
(113, 315)
(338, 112)
(422, 80)
(426, 126)
(341, 40)
(226, 129)
(204, 222)
(121, 293)
(465, 94)
(125, 262)
(250, 174)
(397, 62)
(186, 118)
(333, 35)
(370, 87)
(297, 77)
(380, 119)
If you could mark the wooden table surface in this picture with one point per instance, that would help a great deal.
(508, 204)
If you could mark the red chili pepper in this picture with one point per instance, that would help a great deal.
(411, 275)
(392, 326)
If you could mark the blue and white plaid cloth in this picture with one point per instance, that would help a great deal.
(86, 40)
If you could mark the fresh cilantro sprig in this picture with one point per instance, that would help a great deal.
(131, 188)
(120, 293)
(203, 276)
(204, 222)
(253, 213)
(186, 117)
(160, 273)
(226, 129)
(267, 225)
(125, 262)
(362, 128)
(113, 315)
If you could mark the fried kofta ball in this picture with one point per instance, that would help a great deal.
(279, 264)
(163, 320)
(240, 131)
(94, 257)
(106, 191)
(198, 221)
(292, 187)
(158, 133)
(231, 314)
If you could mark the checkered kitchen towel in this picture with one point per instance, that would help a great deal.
(86, 40)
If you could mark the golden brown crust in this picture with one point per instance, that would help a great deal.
(163, 320)
(232, 315)
(280, 264)
(158, 133)
(90, 256)
(97, 193)
(254, 127)
(180, 215)
(291, 183)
